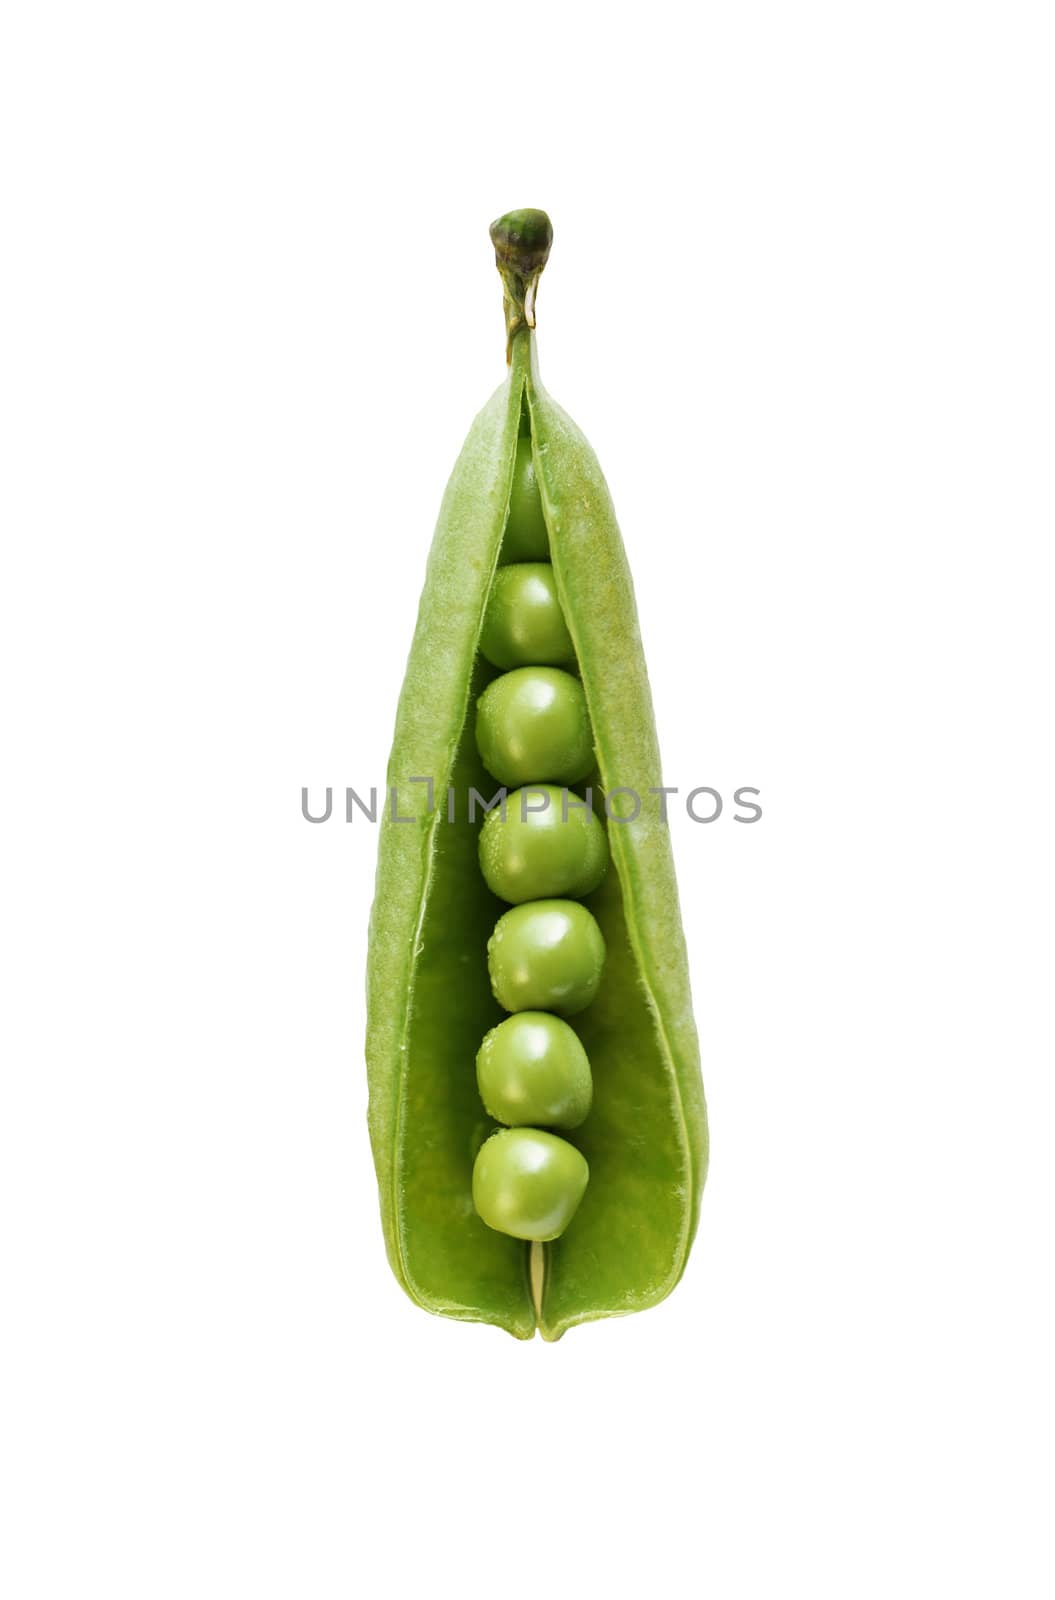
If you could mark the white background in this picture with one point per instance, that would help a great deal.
(800, 299)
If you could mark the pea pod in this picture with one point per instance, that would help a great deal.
(430, 1001)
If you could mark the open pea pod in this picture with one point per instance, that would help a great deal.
(429, 996)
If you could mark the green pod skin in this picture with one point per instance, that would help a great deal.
(429, 1000)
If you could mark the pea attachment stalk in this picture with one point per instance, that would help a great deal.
(522, 241)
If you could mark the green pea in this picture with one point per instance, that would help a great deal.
(548, 844)
(528, 1183)
(523, 624)
(547, 955)
(532, 726)
(526, 538)
(532, 1070)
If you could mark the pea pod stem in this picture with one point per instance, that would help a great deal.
(522, 241)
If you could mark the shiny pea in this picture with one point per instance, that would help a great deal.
(523, 624)
(526, 536)
(548, 843)
(547, 955)
(532, 726)
(532, 1070)
(528, 1183)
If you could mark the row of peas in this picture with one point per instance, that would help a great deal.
(542, 854)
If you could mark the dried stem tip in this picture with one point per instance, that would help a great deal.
(522, 242)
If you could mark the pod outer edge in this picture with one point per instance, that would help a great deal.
(594, 582)
(430, 721)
